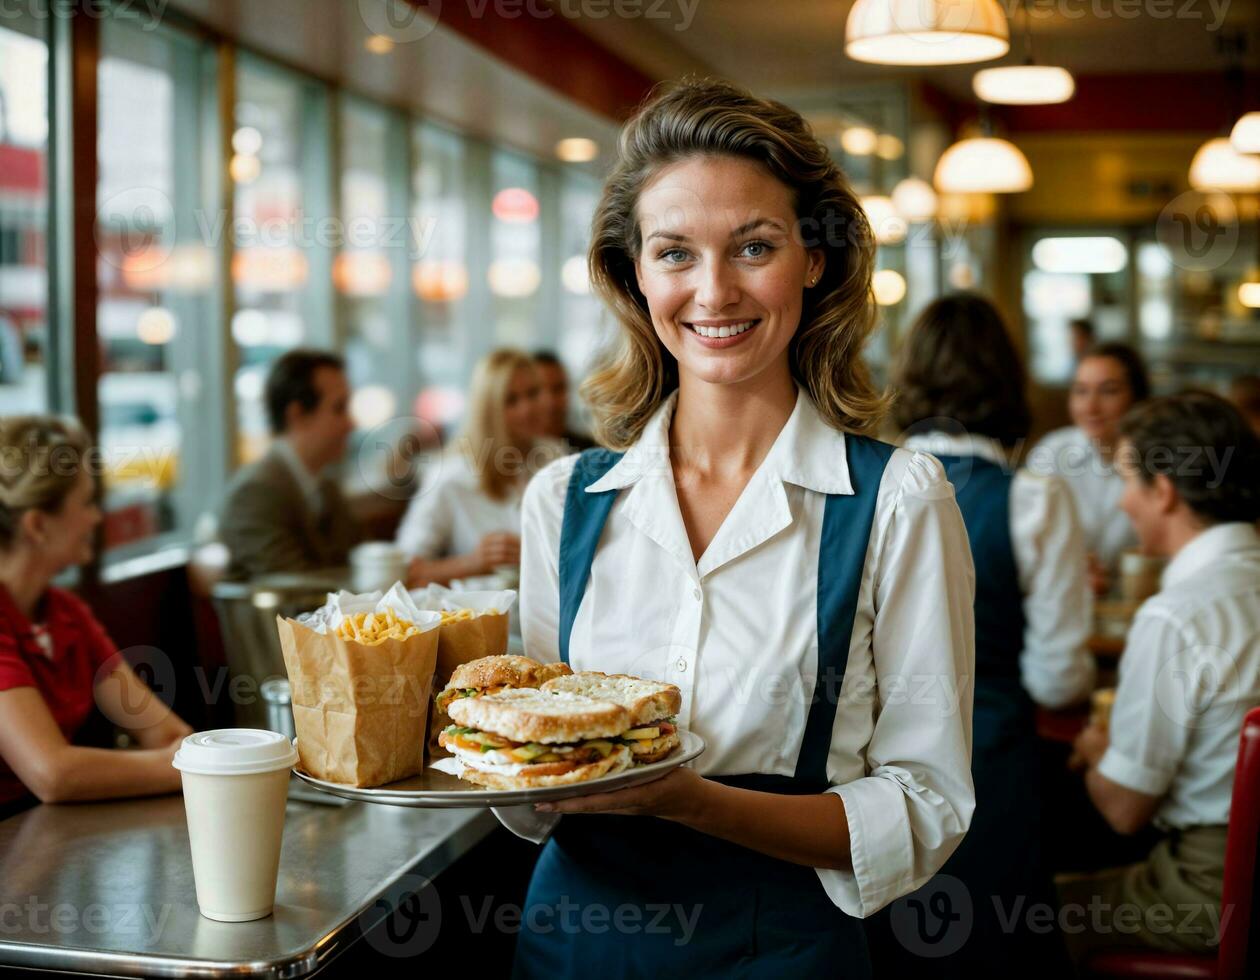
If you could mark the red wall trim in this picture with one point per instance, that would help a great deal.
(1191, 102)
(537, 39)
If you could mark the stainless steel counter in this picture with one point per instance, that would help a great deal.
(108, 887)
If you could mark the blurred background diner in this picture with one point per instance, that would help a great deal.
(310, 277)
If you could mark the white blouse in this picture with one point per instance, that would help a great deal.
(1096, 489)
(1056, 667)
(450, 513)
(1189, 675)
(737, 632)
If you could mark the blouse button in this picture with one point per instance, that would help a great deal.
(682, 664)
(696, 594)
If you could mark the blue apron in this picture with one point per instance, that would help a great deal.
(634, 896)
(1000, 858)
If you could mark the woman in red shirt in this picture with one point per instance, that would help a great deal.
(56, 661)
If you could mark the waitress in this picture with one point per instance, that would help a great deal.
(960, 385)
(808, 588)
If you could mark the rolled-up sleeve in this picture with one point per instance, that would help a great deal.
(1056, 666)
(908, 814)
(1157, 704)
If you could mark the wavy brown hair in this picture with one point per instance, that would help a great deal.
(699, 117)
(957, 365)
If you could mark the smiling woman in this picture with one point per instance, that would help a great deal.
(751, 547)
(667, 219)
(56, 662)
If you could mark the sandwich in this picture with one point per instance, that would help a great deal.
(522, 738)
(651, 734)
(489, 675)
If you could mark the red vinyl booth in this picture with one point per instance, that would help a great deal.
(1231, 960)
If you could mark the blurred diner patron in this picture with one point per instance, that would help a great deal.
(1082, 334)
(961, 396)
(56, 661)
(1244, 392)
(285, 513)
(466, 518)
(553, 383)
(1189, 673)
(1110, 379)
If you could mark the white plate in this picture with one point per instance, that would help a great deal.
(438, 789)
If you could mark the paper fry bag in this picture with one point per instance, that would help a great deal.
(359, 709)
(485, 634)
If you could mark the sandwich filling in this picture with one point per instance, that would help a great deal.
(483, 750)
(454, 694)
(495, 753)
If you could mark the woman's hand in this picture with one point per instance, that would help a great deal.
(1089, 748)
(499, 548)
(676, 796)
(1099, 579)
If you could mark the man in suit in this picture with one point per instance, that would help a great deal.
(284, 513)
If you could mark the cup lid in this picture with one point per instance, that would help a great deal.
(235, 752)
(376, 551)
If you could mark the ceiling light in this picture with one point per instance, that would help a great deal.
(244, 169)
(1245, 135)
(889, 287)
(859, 141)
(379, 44)
(1024, 85)
(1249, 295)
(888, 147)
(983, 164)
(926, 32)
(1080, 255)
(577, 149)
(889, 227)
(247, 140)
(1218, 166)
(914, 200)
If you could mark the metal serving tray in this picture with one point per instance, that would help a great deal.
(438, 789)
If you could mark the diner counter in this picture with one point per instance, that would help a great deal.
(108, 887)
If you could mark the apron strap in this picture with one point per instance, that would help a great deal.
(584, 517)
(846, 532)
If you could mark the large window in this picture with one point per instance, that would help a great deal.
(585, 326)
(23, 217)
(304, 216)
(155, 275)
(282, 264)
(440, 276)
(365, 271)
(515, 272)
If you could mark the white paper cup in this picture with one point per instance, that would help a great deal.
(377, 565)
(236, 783)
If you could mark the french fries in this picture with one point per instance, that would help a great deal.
(371, 628)
(461, 615)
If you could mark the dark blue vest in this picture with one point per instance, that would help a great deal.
(983, 491)
(756, 916)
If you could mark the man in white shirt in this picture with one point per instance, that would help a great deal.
(1189, 674)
